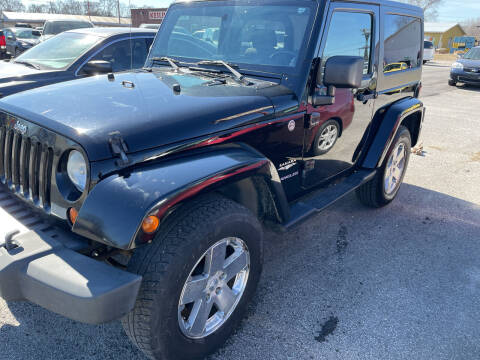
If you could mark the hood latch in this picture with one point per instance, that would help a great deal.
(119, 148)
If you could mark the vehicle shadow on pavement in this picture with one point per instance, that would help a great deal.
(351, 282)
(469, 88)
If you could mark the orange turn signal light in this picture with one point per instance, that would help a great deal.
(72, 215)
(150, 224)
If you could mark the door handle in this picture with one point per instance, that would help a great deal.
(364, 97)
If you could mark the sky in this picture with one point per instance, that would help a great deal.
(449, 11)
(458, 10)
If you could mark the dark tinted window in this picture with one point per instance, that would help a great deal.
(428, 45)
(403, 36)
(57, 27)
(125, 54)
(349, 34)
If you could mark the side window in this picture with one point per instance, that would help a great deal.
(118, 54)
(350, 34)
(403, 40)
(140, 48)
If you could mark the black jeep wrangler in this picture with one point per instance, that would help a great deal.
(142, 195)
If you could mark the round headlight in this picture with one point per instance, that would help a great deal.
(77, 169)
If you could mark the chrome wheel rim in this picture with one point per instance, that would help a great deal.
(214, 288)
(394, 169)
(327, 137)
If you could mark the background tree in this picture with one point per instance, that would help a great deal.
(472, 27)
(429, 6)
(12, 5)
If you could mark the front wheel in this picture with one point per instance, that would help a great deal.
(383, 188)
(452, 83)
(199, 274)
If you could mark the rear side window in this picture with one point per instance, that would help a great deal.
(403, 39)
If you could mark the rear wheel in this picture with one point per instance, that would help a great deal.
(199, 274)
(383, 188)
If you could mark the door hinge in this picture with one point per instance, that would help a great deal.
(312, 120)
(119, 148)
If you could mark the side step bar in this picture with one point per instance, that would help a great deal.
(319, 200)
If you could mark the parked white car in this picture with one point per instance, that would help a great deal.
(428, 51)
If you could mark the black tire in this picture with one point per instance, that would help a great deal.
(424, 62)
(165, 265)
(452, 83)
(17, 52)
(315, 148)
(372, 193)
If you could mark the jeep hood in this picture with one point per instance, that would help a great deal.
(142, 107)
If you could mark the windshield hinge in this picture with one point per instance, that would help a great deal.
(119, 148)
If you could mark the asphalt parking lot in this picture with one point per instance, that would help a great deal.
(401, 282)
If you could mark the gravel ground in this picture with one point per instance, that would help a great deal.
(401, 282)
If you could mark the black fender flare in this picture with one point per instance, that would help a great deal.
(386, 122)
(114, 210)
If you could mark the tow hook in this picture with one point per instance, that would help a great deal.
(9, 243)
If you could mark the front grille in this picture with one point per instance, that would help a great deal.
(469, 79)
(472, 70)
(26, 166)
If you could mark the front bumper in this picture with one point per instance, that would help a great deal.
(465, 77)
(43, 267)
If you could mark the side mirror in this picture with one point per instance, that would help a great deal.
(344, 72)
(96, 67)
(340, 72)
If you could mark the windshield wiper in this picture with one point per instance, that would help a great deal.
(26, 63)
(236, 75)
(168, 60)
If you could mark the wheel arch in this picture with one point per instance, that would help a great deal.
(413, 123)
(238, 173)
(408, 112)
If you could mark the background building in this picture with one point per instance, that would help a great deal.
(443, 34)
(147, 16)
(9, 19)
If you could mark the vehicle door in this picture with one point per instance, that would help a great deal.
(335, 133)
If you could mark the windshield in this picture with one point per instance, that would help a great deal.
(57, 27)
(60, 51)
(24, 34)
(473, 54)
(265, 38)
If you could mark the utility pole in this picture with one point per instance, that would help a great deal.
(88, 10)
(118, 5)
